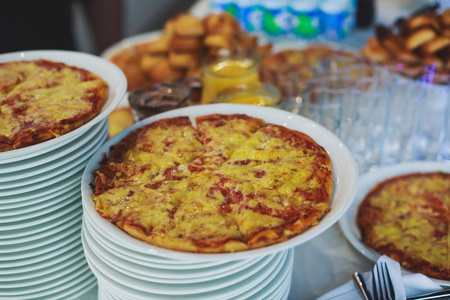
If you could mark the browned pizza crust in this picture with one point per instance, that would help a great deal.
(42, 99)
(232, 183)
(407, 218)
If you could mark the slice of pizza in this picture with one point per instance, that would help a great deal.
(151, 154)
(221, 134)
(284, 160)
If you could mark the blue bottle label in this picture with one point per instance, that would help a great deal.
(251, 18)
(335, 26)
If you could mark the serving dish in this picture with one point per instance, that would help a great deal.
(51, 160)
(345, 179)
(366, 183)
(101, 67)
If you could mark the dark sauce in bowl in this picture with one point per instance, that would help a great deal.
(151, 100)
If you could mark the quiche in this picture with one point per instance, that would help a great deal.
(407, 218)
(226, 183)
(42, 99)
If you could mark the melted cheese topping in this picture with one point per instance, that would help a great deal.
(42, 96)
(166, 185)
(411, 214)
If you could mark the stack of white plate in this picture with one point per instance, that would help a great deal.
(124, 273)
(127, 268)
(41, 255)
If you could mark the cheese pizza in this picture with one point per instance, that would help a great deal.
(42, 99)
(408, 218)
(230, 183)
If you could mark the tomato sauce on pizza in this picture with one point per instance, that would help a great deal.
(230, 183)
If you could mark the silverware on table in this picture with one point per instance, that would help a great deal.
(383, 289)
(362, 286)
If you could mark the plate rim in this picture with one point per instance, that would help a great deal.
(366, 182)
(342, 188)
(109, 72)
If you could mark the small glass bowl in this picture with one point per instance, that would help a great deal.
(154, 99)
(261, 94)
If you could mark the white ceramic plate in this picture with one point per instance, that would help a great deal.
(101, 67)
(55, 163)
(56, 285)
(14, 229)
(174, 269)
(55, 274)
(5, 220)
(73, 145)
(12, 259)
(65, 262)
(160, 274)
(36, 196)
(33, 263)
(50, 175)
(249, 276)
(275, 281)
(71, 174)
(344, 166)
(50, 228)
(135, 288)
(42, 180)
(45, 243)
(36, 209)
(366, 183)
(44, 262)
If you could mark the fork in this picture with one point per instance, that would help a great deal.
(383, 288)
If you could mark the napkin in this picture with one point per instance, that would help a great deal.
(405, 285)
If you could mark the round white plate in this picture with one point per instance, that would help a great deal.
(72, 174)
(150, 260)
(54, 165)
(6, 220)
(15, 229)
(59, 170)
(32, 162)
(42, 180)
(43, 263)
(160, 274)
(12, 259)
(56, 285)
(366, 183)
(101, 67)
(172, 268)
(45, 243)
(55, 274)
(344, 168)
(250, 276)
(33, 263)
(40, 195)
(35, 209)
(275, 281)
(140, 289)
(72, 259)
(52, 227)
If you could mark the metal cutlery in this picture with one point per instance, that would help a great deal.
(361, 284)
(383, 288)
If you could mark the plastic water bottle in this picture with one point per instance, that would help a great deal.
(230, 6)
(251, 15)
(305, 16)
(276, 21)
(335, 19)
